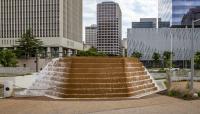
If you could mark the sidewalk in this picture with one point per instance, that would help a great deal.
(155, 104)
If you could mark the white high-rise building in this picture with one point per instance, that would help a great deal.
(109, 23)
(91, 35)
(58, 23)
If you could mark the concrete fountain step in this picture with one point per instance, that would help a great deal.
(104, 90)
(104, 65)
(100, 80)
(100, 65)
(100, 70)
(105, 95)
(96, 75)
(99, 60)
(58, 84)
(103, 85)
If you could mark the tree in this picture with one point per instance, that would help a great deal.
(197, 60)
(28, 45)
(8, 58)
(166, 58)
(137, 55)
(156, 58)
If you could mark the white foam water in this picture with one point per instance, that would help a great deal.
(44, 83)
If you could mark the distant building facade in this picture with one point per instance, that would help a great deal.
(173, 10)
(145, 23)
(150, 40)
(124, 43)
(91, 35)
(109, 24)
(150, 23)
(58, 23)
(163, 24)
(193, 14)
(124, 47)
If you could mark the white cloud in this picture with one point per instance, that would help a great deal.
(132, 10)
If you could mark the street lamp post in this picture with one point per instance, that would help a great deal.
(192, 59)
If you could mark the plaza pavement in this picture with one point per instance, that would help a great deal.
(154, 104)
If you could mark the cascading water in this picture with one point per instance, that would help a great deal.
(44, 82)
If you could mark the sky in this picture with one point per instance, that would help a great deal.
(132, 10)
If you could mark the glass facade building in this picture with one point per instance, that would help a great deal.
(174, 10)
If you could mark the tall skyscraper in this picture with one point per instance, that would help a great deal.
(91, 35)
(109, 23)
(174, 10)
(58, 23)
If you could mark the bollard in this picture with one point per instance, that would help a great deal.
(8, 89)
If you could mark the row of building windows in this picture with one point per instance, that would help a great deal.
(32, 14)
(7, 42)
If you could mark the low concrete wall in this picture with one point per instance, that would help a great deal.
(30, 63)
(15, 70)
(25, 66)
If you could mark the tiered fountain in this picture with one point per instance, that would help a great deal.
(93, 77)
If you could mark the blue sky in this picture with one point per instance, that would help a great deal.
(132, 10)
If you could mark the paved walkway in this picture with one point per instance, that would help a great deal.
(155, 104)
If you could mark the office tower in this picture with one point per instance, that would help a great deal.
(174, 10)
(193, 14)
(109, 23)
(91, 35)
(58, 23)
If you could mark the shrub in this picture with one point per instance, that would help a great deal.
(137, 55)
(162, 70)
(174, 93)
(8, 58)
(89, 53)
(1, 86)
(186, 95)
